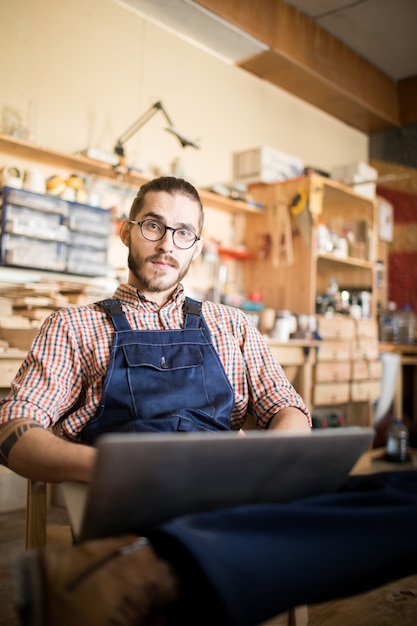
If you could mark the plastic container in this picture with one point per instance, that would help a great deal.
(397, 442)
(403, 325)
(386, 323)
(285, 325)
(324, 244)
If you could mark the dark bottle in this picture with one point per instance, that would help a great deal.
(397, 442)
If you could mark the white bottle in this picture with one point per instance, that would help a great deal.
(323, 238)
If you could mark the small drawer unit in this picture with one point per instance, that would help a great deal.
(334, 351)
(348, 369)
(33, 253)
(46, 232)
(88, 239)
(92, 220)
(365, 390)
(86, 261)
(332, 372)
(337, 328)
(33, 230)
(325, 394)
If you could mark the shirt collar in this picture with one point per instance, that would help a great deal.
(130, 295)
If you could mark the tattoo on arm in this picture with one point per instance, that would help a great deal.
(10, 436)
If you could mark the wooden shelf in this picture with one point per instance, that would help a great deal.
(338, 193)
(80, 163)
(235, 253)
(347, 261)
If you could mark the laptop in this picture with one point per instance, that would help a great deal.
(141, 480)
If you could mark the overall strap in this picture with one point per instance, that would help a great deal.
(114, 310)
(192, 310)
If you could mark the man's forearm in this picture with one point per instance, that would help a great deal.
(290, 418)
(33, 452)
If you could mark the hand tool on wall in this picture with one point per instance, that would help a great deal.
(299, 209)
(280, 223)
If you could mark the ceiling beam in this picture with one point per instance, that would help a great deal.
(408, 100)
(311, 64)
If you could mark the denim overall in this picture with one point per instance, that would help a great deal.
(162, 380)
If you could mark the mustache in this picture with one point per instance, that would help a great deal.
(162, 258)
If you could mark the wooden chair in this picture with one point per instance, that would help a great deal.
(36, 514)
(39, 533)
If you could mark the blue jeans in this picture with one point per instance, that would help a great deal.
(250, 563)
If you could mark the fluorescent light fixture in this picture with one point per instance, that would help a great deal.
(201, 27)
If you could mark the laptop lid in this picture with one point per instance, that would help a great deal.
(141, 480)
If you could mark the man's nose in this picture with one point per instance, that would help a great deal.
(167, 241)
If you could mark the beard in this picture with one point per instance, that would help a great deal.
(159, 282)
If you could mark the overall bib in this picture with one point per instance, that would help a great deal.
(162, 380)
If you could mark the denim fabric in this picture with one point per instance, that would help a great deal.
(163, 380)
(261, 560)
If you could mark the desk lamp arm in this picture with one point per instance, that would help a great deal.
(143, 119)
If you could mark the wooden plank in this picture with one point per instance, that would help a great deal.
(310, 63)
(408, 100)
(350, 105)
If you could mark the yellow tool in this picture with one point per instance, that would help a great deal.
(298, 202)
(299, 209)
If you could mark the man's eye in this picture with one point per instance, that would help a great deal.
(154, 226)
(183, 232)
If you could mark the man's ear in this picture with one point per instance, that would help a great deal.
(198, 248)
(124, 232)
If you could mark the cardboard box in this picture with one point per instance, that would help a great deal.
(265, 165)
(360, 176)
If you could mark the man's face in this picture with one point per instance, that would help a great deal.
(156, 267)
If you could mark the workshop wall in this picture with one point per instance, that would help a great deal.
(80, 73)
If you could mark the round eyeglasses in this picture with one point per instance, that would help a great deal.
(154, 230)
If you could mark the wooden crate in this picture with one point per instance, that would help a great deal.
(334, 351)
(362, 390)
(367, 328)
(327, 372)
(337, 327)
(331, 393)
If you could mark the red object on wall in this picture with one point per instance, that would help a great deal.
(402, 257)
(402, 278)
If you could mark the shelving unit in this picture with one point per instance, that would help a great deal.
(45, 232)
(294, 285)
(347, 371)
(78, 163)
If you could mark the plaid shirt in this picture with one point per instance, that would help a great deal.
(60, 382)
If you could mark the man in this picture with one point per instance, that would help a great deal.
(75, 378)
(107, 367)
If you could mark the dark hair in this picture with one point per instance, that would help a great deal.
(169, 184)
